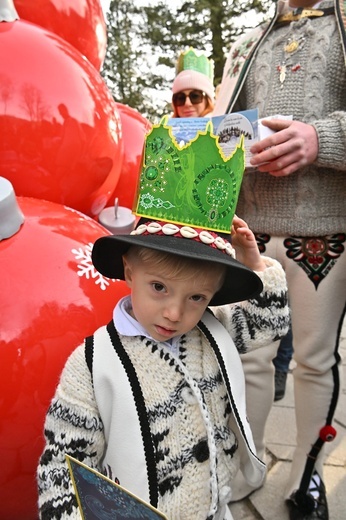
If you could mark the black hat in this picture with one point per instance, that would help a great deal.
(187, 195)
(241, 283)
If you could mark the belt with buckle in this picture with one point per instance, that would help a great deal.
(299, 13)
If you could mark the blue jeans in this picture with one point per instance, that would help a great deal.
(284, 353)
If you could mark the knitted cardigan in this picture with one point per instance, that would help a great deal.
(311, 201)
(185, 418)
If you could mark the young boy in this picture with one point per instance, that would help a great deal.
(156, 399)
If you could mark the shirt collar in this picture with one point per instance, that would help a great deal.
(129, 326)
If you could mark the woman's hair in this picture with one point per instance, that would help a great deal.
(209, 108)
(174, 265)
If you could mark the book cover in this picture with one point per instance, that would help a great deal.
(100, 498)
(229, 128)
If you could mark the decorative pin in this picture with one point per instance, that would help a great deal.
(292, 46)
(282, 70)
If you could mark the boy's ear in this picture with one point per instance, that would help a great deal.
(127, 272)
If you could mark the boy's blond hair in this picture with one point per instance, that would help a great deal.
(173, 265)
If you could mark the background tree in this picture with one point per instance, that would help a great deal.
(144, 42)
(120, 69)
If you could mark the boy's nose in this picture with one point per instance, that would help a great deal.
(173, 311)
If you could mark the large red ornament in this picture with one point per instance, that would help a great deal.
(59, 125)
(134, 128)
(51, 298)
(80, 22)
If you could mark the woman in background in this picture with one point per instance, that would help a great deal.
(193, 89)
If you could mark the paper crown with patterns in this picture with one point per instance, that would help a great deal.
(193, 184)
(197, 61)
(185, 194)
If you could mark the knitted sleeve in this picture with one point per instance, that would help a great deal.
(72, 426)
(259, 321)
(332, 141)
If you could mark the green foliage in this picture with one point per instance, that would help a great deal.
(144, 42)
(120, 66)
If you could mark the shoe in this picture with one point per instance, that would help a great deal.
(310, 506)
(280, 385)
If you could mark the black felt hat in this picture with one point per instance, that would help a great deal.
(186, 195)
(241, 283)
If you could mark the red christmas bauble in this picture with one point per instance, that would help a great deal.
(134, 128)
(51, 298)
(59, 125)
(79, 22)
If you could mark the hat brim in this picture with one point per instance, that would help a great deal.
(241, 283)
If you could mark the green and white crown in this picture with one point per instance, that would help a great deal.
(194, 184)
(195, 60)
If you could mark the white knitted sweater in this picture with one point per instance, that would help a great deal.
(186, 407)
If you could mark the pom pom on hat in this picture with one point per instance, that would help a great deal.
(191, 79)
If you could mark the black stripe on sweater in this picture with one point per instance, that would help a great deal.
(149, 449)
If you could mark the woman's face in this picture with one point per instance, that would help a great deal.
(190, 103)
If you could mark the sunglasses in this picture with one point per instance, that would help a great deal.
(195, 96)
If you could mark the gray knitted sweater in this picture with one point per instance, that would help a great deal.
(311, 201)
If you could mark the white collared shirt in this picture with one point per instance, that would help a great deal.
(129, 326)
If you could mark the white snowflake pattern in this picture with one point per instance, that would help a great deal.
(86, 267)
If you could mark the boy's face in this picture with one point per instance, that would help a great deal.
(167, 306)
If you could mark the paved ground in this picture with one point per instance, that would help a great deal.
(268, 502)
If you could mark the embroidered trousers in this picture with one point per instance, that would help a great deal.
(318, 308)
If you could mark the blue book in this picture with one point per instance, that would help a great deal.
(99, 498)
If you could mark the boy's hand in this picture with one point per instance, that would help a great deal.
(245, 245)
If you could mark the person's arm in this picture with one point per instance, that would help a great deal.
(232, 71)
(295, 145)
(245, 245)
(72, 426)
(292, 146)
(261, 320)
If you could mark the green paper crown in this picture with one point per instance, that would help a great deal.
(193, 185)
(194, 60)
